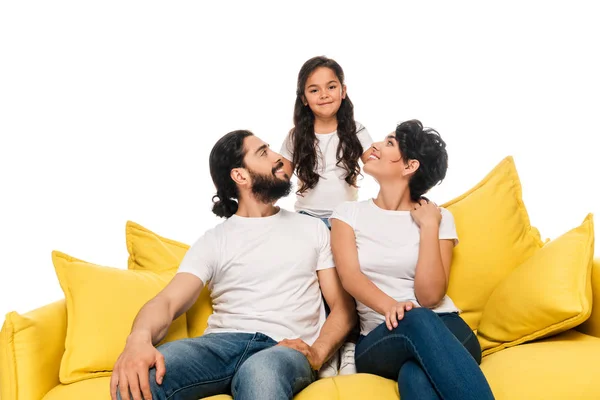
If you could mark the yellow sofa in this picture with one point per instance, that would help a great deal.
(534, 305)
(566, 366)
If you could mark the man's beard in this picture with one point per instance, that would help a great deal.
(269, 188)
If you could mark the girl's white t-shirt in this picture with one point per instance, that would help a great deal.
(332, 188)
(388, 249)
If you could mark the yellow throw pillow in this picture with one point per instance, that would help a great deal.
(102, 303)
(495, 237)
(549, 293)
(151, 252)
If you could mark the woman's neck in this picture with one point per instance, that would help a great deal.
(394, 196)
(325, 125)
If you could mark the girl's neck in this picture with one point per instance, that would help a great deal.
(394, 196)
(325, 125)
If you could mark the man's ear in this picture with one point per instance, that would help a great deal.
(411, 167)
(240, 176)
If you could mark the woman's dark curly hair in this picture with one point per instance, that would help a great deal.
(426, 146)
(304, 140)
(228, 153)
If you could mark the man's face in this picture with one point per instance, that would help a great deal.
(269, 181)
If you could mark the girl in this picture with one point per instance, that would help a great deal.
(393, 255)
(323, 150)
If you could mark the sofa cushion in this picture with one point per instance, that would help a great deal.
(102, 303)
(151, 252)
(561, 367)
(548, 294)
(495, 237)
(93, 389)
(31, 348)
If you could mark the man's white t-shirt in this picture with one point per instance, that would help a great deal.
(262, 274)
(388, 248)
(332, 188)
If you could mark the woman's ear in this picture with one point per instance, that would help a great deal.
(411, 167)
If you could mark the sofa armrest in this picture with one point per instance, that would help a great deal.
(592, 325)
(31, 348)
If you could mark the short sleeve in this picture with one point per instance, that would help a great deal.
(345, 212)
(363, 136)
(201, 259)
(287, 148)
(325, 255)
(447, 226)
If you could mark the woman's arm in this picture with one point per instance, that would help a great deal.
(345, 256)
(433, 268)
(435, 256)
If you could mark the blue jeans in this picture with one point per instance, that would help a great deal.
(244, 365)
(325, 220)
(431, 356)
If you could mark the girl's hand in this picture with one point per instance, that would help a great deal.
(426, 213)
(396, 312)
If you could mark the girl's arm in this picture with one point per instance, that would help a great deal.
(345, 256)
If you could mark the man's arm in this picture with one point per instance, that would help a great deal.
(342, 318)
(155, 317)
(150, 326)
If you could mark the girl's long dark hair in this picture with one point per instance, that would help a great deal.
(304, 140)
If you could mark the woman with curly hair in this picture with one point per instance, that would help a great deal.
(393, 255)
(323, 150)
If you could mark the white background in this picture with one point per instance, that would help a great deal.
(108, 110)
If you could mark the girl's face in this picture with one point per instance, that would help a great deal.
(385, 160)
(323, 93)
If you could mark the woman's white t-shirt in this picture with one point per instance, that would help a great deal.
(388, 248)
(332, 188)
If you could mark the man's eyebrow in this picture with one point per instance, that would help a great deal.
(261, 148)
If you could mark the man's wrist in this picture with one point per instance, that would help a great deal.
(140, 336)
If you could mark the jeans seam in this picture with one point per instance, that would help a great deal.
(416, 355)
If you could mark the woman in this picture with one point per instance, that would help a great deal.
(393, 255)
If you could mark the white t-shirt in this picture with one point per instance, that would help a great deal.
(388, 249)
(262, 274)
(332, 188)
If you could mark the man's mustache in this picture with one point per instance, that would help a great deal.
(275, 168)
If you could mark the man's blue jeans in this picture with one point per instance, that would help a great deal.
(431, 356)
(247, 366)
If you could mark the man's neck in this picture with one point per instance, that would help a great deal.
(255, 209)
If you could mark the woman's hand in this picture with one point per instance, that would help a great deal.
(395, 313)
(426, 213)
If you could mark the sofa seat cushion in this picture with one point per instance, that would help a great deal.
(561, 367)
(92, 389)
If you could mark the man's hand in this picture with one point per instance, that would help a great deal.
(312, 355)
(130, 372)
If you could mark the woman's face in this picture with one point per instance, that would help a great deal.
(385, 160)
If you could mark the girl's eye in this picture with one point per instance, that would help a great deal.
(332, 87)
(389, 142)
(313, 91)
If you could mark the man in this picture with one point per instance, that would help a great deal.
(266, 268)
